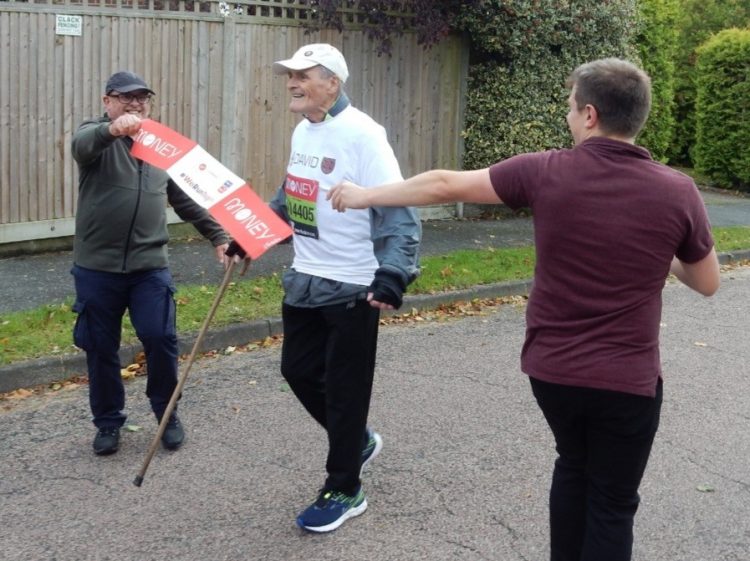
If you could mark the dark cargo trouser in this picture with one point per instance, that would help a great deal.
(101, 301)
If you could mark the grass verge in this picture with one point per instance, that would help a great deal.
(46, 330)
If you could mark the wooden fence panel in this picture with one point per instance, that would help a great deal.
(214, 83)
(5, 117)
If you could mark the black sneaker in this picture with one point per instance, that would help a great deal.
(106, 441)
(174, 435)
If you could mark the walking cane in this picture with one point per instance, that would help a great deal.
(183, 378)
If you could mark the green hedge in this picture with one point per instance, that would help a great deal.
(511, 112)
(657, 46)
(523, 50)
(697, 21)
(722, 149)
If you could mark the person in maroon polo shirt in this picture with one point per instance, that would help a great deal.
(610, 224)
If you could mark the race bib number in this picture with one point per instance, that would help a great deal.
(302, 204)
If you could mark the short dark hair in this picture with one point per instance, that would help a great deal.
(618, 89)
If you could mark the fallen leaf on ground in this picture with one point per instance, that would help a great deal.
(129, 371)
(19, 394)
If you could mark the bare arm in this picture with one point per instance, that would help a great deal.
(702, 276)
(430, 187)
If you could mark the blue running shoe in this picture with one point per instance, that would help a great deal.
(372, 448)
(331, 510)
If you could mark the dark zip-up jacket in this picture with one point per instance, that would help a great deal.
(121, 221)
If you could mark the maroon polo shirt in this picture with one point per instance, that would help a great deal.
(607, 222)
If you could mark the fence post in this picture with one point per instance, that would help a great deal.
(228, 154)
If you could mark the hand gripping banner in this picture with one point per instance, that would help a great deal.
(228, 198)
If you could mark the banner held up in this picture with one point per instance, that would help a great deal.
(227, 197)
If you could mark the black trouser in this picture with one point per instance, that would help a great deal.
(101, 301)
(328, 358)
(603, 439)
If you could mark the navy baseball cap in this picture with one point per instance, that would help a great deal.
(125, 82)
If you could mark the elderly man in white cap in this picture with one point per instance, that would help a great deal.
(346, 268)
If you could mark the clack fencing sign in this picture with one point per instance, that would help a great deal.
(68, 25)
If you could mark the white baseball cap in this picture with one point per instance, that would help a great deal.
(316, 54)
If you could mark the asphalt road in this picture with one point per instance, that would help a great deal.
(463, 474)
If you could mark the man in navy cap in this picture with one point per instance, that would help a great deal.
(120, 259)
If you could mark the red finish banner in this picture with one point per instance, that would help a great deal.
(228, 198)
(159, 145)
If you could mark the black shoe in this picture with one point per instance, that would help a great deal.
(106, 441)
(174, 435)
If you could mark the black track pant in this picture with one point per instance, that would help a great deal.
(603, 440)
(328, 359)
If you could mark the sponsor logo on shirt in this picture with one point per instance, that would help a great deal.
(327, 165)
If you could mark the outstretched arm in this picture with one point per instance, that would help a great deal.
(702, 276)
(430, 187)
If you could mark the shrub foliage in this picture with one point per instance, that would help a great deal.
(431, 20)
(523, 50)
(697, 21)
(657, 46)
(722, 148)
